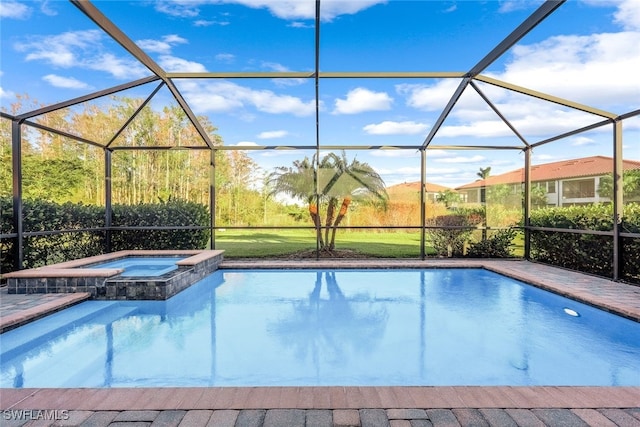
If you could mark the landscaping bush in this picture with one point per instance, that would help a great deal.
(586, 252)
(171, 213)
(44, 216)
(450, 242)
(496, 246)
(41, 215)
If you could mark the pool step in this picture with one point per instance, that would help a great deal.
(40, 331)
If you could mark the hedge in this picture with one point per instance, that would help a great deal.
(587, 252)
(47, 249)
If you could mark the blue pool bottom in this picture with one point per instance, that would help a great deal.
(322, 327)
(142, 266)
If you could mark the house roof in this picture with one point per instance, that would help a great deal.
(573, 168)
(415, 187)
(410, 191)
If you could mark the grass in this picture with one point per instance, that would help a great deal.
(261, 244)
(275, 243)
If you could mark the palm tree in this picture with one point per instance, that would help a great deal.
(336, 178)
(484, 172)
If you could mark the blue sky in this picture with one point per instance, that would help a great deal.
(586, 51)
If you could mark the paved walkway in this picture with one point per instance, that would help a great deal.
(18, 309)
(338, 406)
(489, 417)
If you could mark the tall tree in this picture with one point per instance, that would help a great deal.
(484, 173)
(336, 178)
(630, 185)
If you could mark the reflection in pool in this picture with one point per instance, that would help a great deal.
(321, 327)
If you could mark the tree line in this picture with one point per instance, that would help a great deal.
(61, 169)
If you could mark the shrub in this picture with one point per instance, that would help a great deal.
(171, 213)
(45, 216)
(496, 246)
(590, 253)
(451, 241)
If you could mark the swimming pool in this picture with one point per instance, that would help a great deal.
(142, 266)
(322, 327)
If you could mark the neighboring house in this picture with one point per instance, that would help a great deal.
(565, 183)
(432, 190)
(410, 191)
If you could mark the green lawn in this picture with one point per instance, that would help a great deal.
(272, 243)
(267, 243)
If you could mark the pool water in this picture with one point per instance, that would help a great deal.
(142, 266)
(321, 327)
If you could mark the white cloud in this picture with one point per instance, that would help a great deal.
(274, 66)
(65, 82)
(81, 49)
(395, 153)
(45, 7)
(507, 6)
(590, 69)
(227, 58)
(156, 46)
(118, 67)
(161, 46)
(587, 69)
(284, 9)
(432, 97)
(273, 134)
(461, 159)
(396, 128)
(406, 170)
(543, 157)
(14, 10)
(62, 50)
(360, 100)
(298, 24)
(628, 15)
(305, 9)
(582, 140)
(224, 96)
(174, 64)
(179, 8)
(6, 94)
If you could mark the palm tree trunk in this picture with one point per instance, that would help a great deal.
(341, 214)
(331, 209)
(313, 211)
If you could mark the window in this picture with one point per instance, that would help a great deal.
(551, 186)
(579, 189)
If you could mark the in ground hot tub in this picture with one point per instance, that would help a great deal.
(124, 275)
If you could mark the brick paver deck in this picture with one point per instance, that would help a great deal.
(341, 406)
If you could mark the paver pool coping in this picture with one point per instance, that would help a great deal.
(613, 296)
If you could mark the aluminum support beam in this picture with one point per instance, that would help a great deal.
(618, 198)
(423, 202)
(571, 133)
(121, 38)
(118, 35)
(108, 197)
(316, 183)
(190, 115)
(321, 74)
(495, 110)
(86, 98)
(548, 7)
(134, 115)
(16, 161)
(445, 113)
(546, 97)
(527, 203)
(62, 133)
(212, 199)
